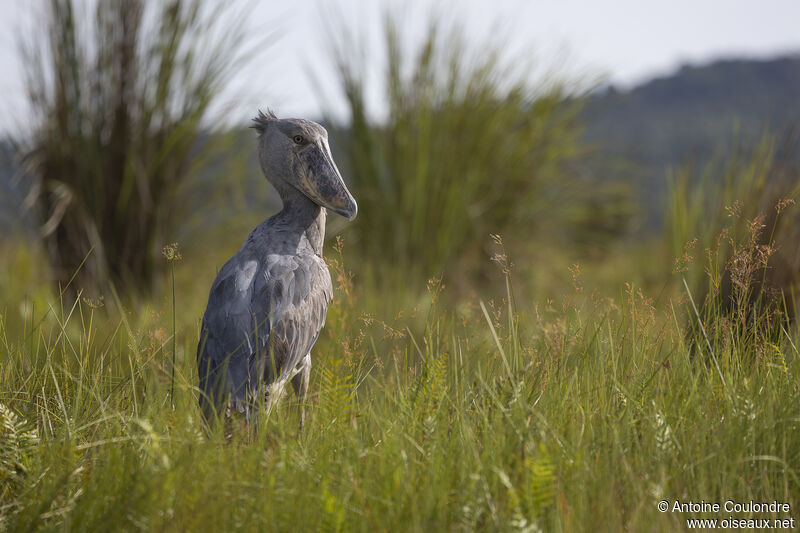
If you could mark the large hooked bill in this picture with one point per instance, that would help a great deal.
(320, 180)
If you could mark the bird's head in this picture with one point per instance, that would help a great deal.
(295, 153)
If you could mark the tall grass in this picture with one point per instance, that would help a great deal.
(734, 229)
(571, 416)
(470, 147)
(513, 412)
(119, 98)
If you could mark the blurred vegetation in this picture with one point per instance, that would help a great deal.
(574, 395)
(470, 147)
(119, 101)
(689, 115)
(734, 230)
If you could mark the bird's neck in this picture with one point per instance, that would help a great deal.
(305, 217)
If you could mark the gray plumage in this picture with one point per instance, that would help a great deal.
(268, 303)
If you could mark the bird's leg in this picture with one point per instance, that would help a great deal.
(300, 386)
(228, 423)
(274, 393)
(236, 423)
(252, 421)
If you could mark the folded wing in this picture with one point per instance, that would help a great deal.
(263, 317)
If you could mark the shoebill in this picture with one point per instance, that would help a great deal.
(267, 304)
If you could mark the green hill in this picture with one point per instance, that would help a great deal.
(690, 116)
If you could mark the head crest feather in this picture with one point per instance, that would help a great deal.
(261, 121)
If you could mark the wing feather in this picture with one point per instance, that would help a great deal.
(260, 311)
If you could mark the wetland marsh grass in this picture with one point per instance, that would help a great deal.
(576, 415)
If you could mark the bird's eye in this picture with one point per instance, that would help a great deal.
(298, 139)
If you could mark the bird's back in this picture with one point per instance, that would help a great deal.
(265, 310)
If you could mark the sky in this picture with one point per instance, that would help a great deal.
(624, 42)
